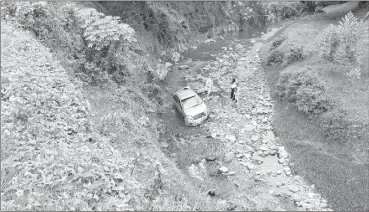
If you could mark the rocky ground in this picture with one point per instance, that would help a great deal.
(252, 163)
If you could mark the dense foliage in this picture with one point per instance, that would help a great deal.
(98, 47)
(347, 44)
(305, 89)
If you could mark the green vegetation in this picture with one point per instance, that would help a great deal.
(304, 88)
(321, 107)
(61, 146)
(79, 128)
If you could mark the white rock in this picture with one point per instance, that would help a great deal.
(282, 154)
(223, 169)
(231, 138)
(296, 198)
(232, 173)
(293, 188)
(269, 136)
(213, 135)
(181, 67)
(311, 195)
(167, 65)
(255, 138)
(175, 57)
(229, 157)
(281, 161)
(250, 166)
(263, 148)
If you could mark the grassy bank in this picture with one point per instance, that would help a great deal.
(333, 157)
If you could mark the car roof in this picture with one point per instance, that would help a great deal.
(185, 93)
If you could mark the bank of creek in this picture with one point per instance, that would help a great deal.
(234, 156)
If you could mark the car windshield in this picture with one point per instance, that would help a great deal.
(191, 102)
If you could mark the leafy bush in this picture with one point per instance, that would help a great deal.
(276, 42)
(346, 43)
(285, 9)
(53, 23)
(296, 53)
(280, 51)
(275, 57)
(305, 89)
(102, 48)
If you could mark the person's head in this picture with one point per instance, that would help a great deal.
(234, 80)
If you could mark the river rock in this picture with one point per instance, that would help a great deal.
(176, 56)
(277, 193)
(263, 148)
(311, 195)
(269, 136)
(247, 156)
(248, 149)
(258, 159)
(167, 65)
(248, 128)
(213, 135)
(293, 188)
(296, 198)
(281, 161)
(250, 166)
(254, 138)
(182, 67)
(164, 144)
(282, 154)
(323, 205)
(232, 173)
(272, 152)
(223, 169)
(197, 172)
(211, 158)
(231, 138)
(229, 157)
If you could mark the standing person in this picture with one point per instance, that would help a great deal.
(209, 86)
(234, 89)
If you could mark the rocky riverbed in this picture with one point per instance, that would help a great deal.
(252, 163)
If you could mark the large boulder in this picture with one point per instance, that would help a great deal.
(176, 57)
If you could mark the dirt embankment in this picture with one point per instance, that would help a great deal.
(336, 165)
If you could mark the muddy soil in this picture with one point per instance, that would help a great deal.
(235, 153)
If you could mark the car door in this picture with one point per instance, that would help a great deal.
(177, 104)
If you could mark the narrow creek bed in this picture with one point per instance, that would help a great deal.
(234, 154)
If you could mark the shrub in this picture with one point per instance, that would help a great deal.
(334, 124)
(285, 9)
(296, 53)
(283, 52)
(337, 125)
(346, 43)
(305, 89)
(101, 47)
(277, 42)
(53, 23)
(275, 57)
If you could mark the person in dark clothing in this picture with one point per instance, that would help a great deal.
(234, 89)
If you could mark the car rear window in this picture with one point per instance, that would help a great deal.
(191, 102)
